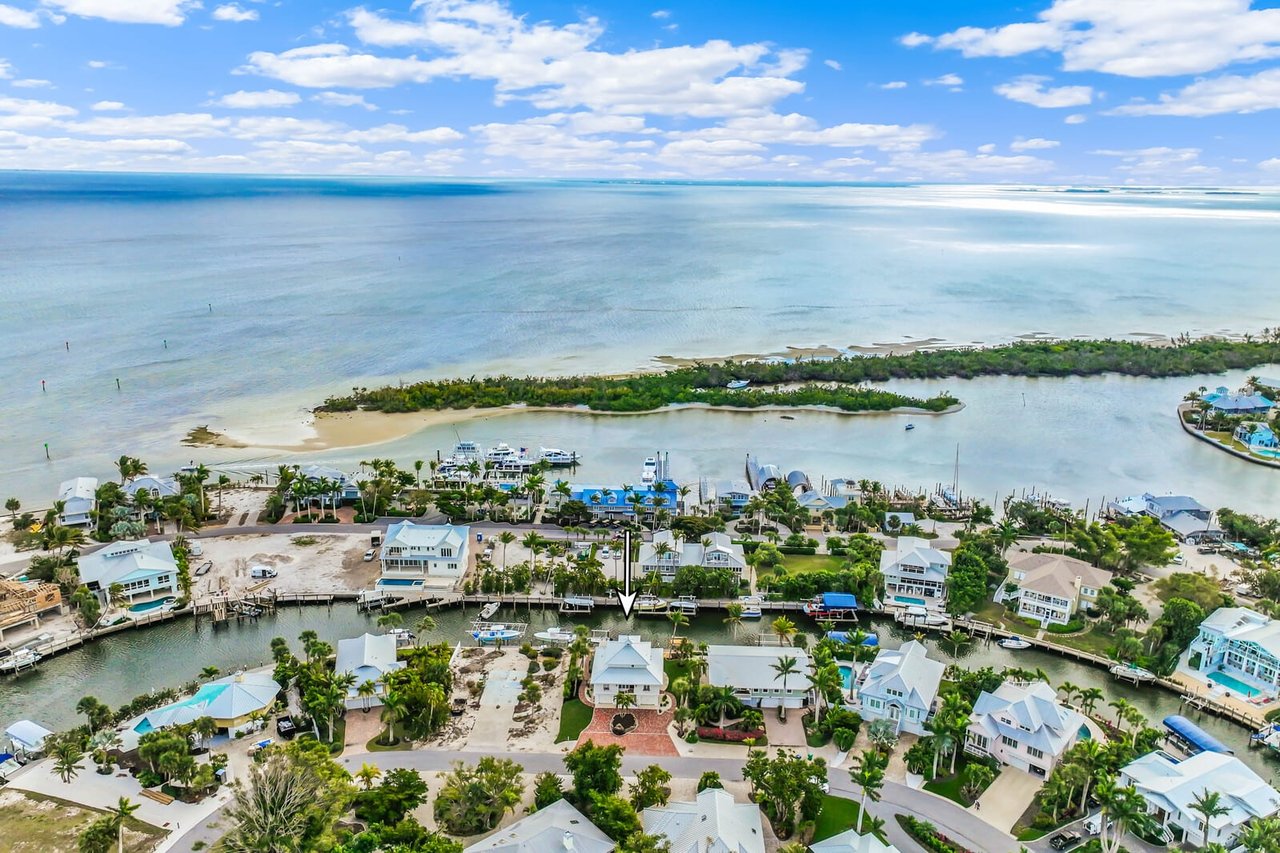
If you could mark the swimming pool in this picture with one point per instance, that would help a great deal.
(1084, 733)
(906, 599)
(399, 582)
(846, 677)
(150, 605)
(1233, 683)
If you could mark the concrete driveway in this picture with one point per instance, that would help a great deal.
(497, 704)
(1007, 798)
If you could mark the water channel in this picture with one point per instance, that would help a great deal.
(125, 665)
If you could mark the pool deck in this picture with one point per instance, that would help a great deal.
(1224, 698)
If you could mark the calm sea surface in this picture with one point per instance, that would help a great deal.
(223, 299)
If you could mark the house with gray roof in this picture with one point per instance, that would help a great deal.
(79, 497)
(157, 487)
(750, 671)
(761, 476)
(713, 823)
(1023, 726)
(716, 494)
(1222, 400)
(914, 569)
(1051, 587)
(417, 551)
(901, 685)
(1184, 516)
(144, 569)
(1172, 786)
(666, 554)
(627, 665)
(1237, 649)
(558, 828)
(850, 841)
(369, 657)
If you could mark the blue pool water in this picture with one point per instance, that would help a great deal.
(150, 605)
(398, 582)
(846, 677)
(906, 599)
(1232, 683)
(1085, 734)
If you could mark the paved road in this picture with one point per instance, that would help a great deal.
(959, 824)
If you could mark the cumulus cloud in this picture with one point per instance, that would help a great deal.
(1035, 143)
(1229, 93)
(1075, 118)
(848, 162)
(342, 99)
(1031, 89)
(266, 99)
(989, 148)
(1271, 165)
(234, 13)
(1158, 161)
(550, 66)
(31, 83)
(958, 164)
(796, 129)
(107, 106)
(894, 84)
(1133, 39)
(169, 13)
(833, 64)
(23, 19)
(946, 80)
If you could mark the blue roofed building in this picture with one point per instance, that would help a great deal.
(1256, 436)
(616, 501)
(1222, 400)
(144, 569)
(901, 685)
(1237, 650)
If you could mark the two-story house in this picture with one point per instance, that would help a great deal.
(79, 498)
(1051, 587)
(1023, 726)
(417, 551)
(915, 573)
(1237, 649)
(627, 665)
(901, 685)
(146, 570)
(666, 554)
(755, 674)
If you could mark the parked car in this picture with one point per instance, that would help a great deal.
(1065, 840)
(369, 555)
(285, 727)
(194, 548)
(1178, 559)
(260, 572)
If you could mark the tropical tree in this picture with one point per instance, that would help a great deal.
(66, 760)
(868, 775)
(368, 774)
(366, 691)
(390, 621)
(394, 708)
(678, 621)
(123, 810)
(625, 700)
(720, 701)
(784, 667)
(1123, 810)
(1208, 804)
(784, 629)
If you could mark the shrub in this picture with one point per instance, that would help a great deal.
(796, 549)
(553, 652)
(528, 651)
(928, 836)
(1072, 627)
(691, 737)
(710, 779)
(728, 734)
(843, 739)
(549, 664)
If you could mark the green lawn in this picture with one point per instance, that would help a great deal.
(800, 563)
(574, 717)
(947, 786)
(837, 815)
(34, 822)
(677, 669)
(1094, 640)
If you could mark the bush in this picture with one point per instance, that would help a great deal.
(796, 549)
(729, 734)
(533, 669)
(549, 664)
(928, 836)
(553, 652)
(691, 737)
(1072, 627)
(149, 779)
(710, 779)
(844, 738)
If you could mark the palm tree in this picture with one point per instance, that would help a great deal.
(733, 616)
(824, 681)
(1208, 804)
(67, 761)
(1261, 836)
(678, 621)
(366, 691)
(367, 774)
(394, 708)
(209, 672)
(785, 629)
(869, 776)
(425, 625)
(123, 810)
(625, 700)
(1123, 810)
(784, 667)
(1089, 697)
(1067, 689)
(1092, 756)
(506, 537)
(1122, 707)
(390, 621)
(533, 542)
(13, 505)
(720, 701)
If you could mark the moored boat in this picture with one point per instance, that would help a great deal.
(650, 605)
(404, 637)
(489, 609)
(911, 426)
(555, 634)
(494, 634)
(557, 458)
(751, 606)
(1129, 672)
(19, 659)
(1013, 643)
(686, 604)
(738, 384)
(649, 474)
(833, 605)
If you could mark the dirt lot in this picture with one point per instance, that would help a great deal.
(35, 824)
(305, 562)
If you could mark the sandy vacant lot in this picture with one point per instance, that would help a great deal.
(305, 562)
(44, 825)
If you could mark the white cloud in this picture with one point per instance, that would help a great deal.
(989, 148)
(233, 13)
(1229, 93)
(169, 13)
(833, 64)
(11, 16)
(107, 106)
(1035, 143)
(796, 129)
(848, 162)
(1133, 39)
(550, 147)
(957, 164)
(552, 67)
(399, 133)
(946, 80)
(1272, 165)
(1075, 118)
(98, 64)
(6, 69)
(1031, 89)
(31, 83)
(342, 99)
(1158, 160)
(38, 109)
(181, 125)
(661, 14)
(266, 99)
(894, 84)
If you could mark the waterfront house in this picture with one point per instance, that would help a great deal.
(232, 702)
(850, 841)
(666, 554)
(617, 502)
(900, 685)
(557, 827)
(915, 573)
(1256, 436)
(1051, 587)
(145, 569)
(344, 484)
(418, 551)
(24, 602)
(156, 487)
(1237, 648)
(1222, 400)
(713, 823)
(627, 665)
(750, 671)
(1183, 516)
(1171, 788)
(720, 494)
(79, 500)
(818, 504)
(1023, 726)
(762, 476)
(368, 657)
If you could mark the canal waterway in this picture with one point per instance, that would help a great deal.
(117, 669)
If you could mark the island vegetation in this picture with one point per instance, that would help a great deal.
(838, 383)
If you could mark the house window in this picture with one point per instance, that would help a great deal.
(446, 552)
(1035, 753)
(1008, 741)
(453, 566)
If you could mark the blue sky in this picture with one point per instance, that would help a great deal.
(1058, 91)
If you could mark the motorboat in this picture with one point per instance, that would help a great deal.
(504, 453)
(204, 568)
(557, 458)
(686, 604)
(649, 474)
(494, 634)
(404, 637)
(650, 605)
(738, 384)
(556, 635)
(1013, 643)
(466, 451)
(19, 659)
(489, 609)
(751, 606)
(911, 426)
(1129, 672)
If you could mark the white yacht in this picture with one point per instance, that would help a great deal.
(557, 458)
(649, 475)
(751, 608)
(650, 605)
(503, 452)
(556, 635)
